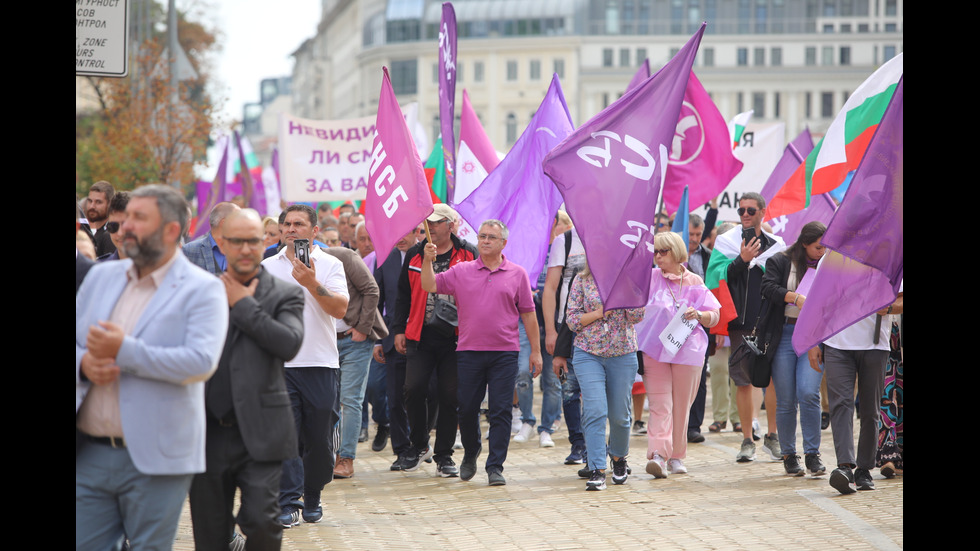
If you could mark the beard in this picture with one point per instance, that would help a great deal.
(94, 215)
(146, 252)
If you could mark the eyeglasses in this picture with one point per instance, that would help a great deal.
(488, 237)
(112, 227)
(750, 210)
(661, 252)
(437, 222)
(237, 242)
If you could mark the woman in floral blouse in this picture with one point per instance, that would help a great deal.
(605, 364)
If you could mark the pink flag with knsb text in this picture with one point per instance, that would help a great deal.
(701, 152)
(398, 194)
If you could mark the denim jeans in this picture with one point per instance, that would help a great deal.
(571, 405)
(355, 360)
(796, 383)
(606, 385)
(376, 395)
(550, 387)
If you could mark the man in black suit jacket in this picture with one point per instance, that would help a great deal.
(250, 427)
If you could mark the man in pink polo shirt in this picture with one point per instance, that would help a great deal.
(492, 294)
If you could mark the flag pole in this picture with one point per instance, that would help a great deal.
(425, 224)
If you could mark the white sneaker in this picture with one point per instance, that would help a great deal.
(657, 467)
(524, 433)
(545, 440)
(515, 421)
(458, 445)
(556, 425)
(676, 466)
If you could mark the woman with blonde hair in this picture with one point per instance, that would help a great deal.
(673, 339)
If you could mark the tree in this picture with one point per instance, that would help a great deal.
(136, 134)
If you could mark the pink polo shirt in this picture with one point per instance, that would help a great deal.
(490, 303)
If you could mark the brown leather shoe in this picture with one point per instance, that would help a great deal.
(344, 468)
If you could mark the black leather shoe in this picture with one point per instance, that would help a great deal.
(695, 437)
(862, 479)
(380, 438)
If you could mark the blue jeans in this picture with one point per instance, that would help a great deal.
(607, 385)
(571, 405)
(796, 383)
(550, 387)
(376, 395)
(355, 360)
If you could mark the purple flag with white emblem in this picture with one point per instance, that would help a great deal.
(398, 194)
(863, 272)
(610, 172)
(447, 94)
(518, 193)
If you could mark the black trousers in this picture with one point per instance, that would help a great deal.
(426, 358)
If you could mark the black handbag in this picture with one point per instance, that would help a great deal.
(759, 344)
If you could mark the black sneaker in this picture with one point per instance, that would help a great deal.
(577, 457)
(824, 420)
(289, 517)
(597, 481)
(862, 479)
(380, 438)
(412, 460)
(842, 479)
(399, 463)
(446, 468)
(621, 470)
(585, 472)
(814, 465)
(792, 465)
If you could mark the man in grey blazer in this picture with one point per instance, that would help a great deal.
(148, 332)
(250, 427)
(204, 251)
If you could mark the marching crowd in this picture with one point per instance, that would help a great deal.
(251, 357)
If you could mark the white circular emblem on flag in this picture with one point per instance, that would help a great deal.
(688, 136)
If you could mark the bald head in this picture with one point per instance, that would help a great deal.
(219, 213)
(242, 242)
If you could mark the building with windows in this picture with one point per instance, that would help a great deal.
(792, 61)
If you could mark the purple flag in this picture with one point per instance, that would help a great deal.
(642, 74)
(518, 193)
(447, 94)
(398, 194)
(788, 226)
(864, 272)
(210, 195)
(793, 156)
(610, 172)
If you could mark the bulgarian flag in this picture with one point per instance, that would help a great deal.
(727, 246)
(736, 127)
(435, 173)
(842, 148)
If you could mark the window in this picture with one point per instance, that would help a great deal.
(775, 105)
(845, 55)
(740, 102)
(641, 54)
(511, 128)
(743, 59)
(827, 57)
(559, 68)
(511, 70)
(435, 73)
(759, 57)
(477, 71)
(862, 27)
(776, 56)
(845, 27)
(459, 71)
(404, 76)
(708, 55)
(889, 52)
(759, 104)
(624, 57)
(607, 57)
(605, 100)
(811, 55)
(826, 104)
(535, 69)
(828, 28)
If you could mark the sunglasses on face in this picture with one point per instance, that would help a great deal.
(750, 210)
(661, 252)
(112, 227)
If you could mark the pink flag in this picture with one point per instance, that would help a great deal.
(476, 157)
(701, 152)
(398, 195)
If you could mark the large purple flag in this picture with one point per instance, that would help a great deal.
(210, 195)
(610, 172)
(518, 193)
(398, 193)
(864, 272)
(447, 94)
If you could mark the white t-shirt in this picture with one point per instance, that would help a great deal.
(576, 256)
(320, 328)
(860, 336)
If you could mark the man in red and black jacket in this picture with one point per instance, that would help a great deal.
(425, 329)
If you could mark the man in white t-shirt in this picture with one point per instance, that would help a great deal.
(312, 377)
(856, 352)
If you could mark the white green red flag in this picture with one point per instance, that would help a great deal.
(736, 127)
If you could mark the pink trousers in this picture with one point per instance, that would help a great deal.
(671, 389)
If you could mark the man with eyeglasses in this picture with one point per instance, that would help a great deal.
(744, 279)
(117, 215)
(204, 251)
(250, 428)
(425, 331)
(493, 294)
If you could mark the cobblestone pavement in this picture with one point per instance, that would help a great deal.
(719, 504)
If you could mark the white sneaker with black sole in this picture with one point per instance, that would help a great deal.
(597, 481)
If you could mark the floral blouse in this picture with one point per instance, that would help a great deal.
(607, 337)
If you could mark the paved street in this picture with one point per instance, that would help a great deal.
(720, 504)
